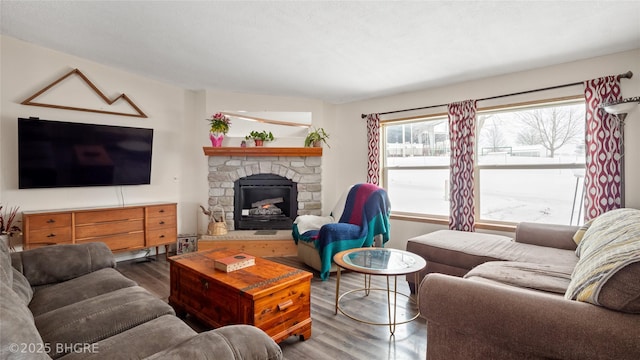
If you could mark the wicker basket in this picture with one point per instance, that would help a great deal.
(217, 227)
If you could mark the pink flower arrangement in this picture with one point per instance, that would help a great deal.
(219, 123)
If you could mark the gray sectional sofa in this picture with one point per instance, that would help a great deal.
(69, 302)
(534, 296)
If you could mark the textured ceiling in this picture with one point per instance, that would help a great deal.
(334, 51)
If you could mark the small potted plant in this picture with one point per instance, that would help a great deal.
(219, 127)
(8, 227)
(316, 137)
(259, 137)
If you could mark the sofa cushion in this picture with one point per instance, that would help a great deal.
(22, 287)
(71, 291)
(19, 338)
(139, 342)
(607, 271)
(467, 250)
(99, 317)
(549, 235)
(52, 264)
(227, 342)
(542, 277)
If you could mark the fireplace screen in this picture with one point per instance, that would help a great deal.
(265, 201)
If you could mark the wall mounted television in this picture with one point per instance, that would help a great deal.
(54, 154)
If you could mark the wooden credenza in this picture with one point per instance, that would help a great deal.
(123, 228)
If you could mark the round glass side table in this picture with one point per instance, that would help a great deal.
(380, 262)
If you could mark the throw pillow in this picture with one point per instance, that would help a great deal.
(608, 253)
(579, 235)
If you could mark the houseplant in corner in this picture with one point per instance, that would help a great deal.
(316, 137)
(8, 227)
(259, 137)
(219, 127)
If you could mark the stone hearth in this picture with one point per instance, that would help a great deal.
(224, 170)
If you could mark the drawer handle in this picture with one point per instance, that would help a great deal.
(161, 222)
(161, 211)
(51, 235)
(50, 221)
(205, 284)
(284, 305)
(161, 236)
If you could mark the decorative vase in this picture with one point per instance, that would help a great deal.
(6, 240)
(216, 139)
(259, 142)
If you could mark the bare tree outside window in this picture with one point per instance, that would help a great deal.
(493, 138)
(551, 127)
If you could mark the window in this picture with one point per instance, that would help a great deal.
(529, 164)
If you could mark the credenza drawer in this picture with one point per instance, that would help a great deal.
(48, 221)
(161, 223)
(161, 236)
(168, 210)
(92, 217)
(50, 236)
(109, 228)
(121, 242)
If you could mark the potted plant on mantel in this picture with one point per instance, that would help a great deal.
(259, 137)
(219, 123)
(316, 137)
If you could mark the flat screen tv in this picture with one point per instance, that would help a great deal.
(65, 154)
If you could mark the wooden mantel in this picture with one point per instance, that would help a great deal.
(262, 151)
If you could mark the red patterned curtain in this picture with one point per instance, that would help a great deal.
(373, 141)
(603, 183)
(462, 120)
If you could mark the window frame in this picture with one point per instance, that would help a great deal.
(480, 223)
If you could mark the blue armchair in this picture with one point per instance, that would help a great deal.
(362, 215)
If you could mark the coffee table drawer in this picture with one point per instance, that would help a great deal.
(283, 309)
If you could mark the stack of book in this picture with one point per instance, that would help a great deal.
(235, 262)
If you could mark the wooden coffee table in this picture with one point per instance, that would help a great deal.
(274, 297)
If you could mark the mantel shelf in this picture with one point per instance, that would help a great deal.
(262, 151)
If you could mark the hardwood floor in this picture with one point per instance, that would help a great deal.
(333, 336)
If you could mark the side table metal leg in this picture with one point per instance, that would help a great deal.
(337, 289)
(392, 320)
(367, 284)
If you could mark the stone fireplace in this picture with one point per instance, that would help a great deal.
(293, 174)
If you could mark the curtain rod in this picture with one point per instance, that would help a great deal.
(626, 75)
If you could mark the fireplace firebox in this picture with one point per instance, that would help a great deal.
(265, 202)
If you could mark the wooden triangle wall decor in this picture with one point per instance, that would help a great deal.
(29, 100)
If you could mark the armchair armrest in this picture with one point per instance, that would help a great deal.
(549, 235)
(227, 342)
(520, 323)
(56, 263)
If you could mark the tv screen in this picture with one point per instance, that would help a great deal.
(65, 154)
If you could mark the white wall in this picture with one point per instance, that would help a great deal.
(351, 138)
